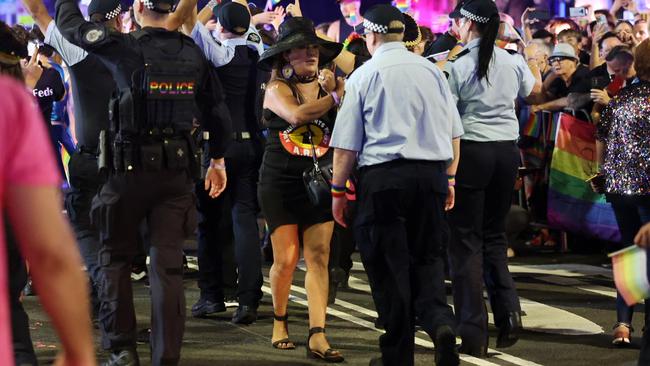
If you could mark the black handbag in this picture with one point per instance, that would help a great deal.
(318, 180)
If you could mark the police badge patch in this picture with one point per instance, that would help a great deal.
(253, 37)
(93, 35)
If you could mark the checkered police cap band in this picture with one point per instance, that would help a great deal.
(112, 14)
(476, 18)
(149, 4)
(378, 28)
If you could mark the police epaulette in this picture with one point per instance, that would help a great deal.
(512, 52)
(461, 54)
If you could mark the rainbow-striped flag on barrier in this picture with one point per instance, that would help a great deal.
(572, 205)
(630, 267)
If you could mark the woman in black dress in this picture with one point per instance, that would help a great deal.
(299, 107)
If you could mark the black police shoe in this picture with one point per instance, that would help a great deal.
(244, 315)
(122, 358)
(478, 352)
(446, 352)
(509, 334)
(205, 307)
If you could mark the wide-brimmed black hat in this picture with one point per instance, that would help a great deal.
(299, 32)
(480, 11)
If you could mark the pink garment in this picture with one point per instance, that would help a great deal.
(26, 159)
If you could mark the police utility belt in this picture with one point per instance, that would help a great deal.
(152, 152)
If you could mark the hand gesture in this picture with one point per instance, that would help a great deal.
(279, 17)
(642, 238)
(327, 80)
(294, 9)
(32, 71)
(266, 17)
(600, 96)
(599, 31)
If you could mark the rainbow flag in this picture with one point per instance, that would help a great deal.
(630, 267)
(572, 205)
(533, 126)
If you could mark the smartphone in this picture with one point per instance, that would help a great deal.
(578, 12)
(602, 19)
(599, 82)
(539, 14)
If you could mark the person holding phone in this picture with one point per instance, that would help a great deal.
(623, 154)
(623, 9)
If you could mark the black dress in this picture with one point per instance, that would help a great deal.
(287, 154)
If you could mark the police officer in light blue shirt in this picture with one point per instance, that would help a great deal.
(485, 81)
(399, 118)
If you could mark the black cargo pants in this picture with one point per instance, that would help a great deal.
(165, 199)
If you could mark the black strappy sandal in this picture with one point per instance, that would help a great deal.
(330, 355)
(288, 345)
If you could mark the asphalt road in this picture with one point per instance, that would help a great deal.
(568, 301)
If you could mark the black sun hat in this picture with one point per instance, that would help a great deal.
(299, 32)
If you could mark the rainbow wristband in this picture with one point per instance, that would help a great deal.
(451, 180)
(336, 188)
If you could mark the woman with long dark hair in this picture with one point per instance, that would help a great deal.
(485, 81)
(299, 111)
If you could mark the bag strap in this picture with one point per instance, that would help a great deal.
(313, 150)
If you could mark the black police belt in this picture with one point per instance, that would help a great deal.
(242, 136)
(153, 152)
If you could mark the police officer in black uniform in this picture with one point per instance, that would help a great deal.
(235, 57)
(161, 78)
(93, 85)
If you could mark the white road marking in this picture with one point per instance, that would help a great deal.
(366, 324)
(539, 317)
(371, 313)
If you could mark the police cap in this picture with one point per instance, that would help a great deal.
(480, 11)
(233, 17)
(160, 6)
(378, 19)
(456, 13)
(108, 9)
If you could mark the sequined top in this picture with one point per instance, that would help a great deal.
(625, 129)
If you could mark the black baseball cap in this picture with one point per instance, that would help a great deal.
(233, 17)
(109, 9)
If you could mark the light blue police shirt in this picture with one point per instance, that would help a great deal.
(221, 53)
(488, 109)
(397, 106)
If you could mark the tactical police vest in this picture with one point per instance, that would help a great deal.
(162, 94)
